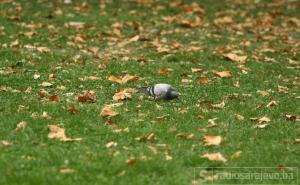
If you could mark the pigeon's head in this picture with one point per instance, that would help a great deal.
(172, 94)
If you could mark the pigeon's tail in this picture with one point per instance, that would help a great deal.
(142, 90)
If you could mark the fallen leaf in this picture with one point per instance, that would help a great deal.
(54, 98)
(21, 125)
(122, 80)
(111, 144)
(164, 70)
(87, 97)
(108, 112)
(111, 122)
(272, 103)
(149, 137)
(55, 132)
(239, 117)
(291, 117)
(5, 143)
(73, 110)
(212, 123)
(263, 93)
(131, 162)
(46, 84)
(236, 155)
(209, 140)
(123, 94)
(203, 80)
(66, 170)
(223, 74)
(43, 49)
(42, 93)
(220, 105)
(185, 136)
(214, 157)
(36, 76)
(196, 70)
(235, 58)
(264, 119)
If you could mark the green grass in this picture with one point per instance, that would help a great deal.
(33, 158)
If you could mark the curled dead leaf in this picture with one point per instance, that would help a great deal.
(107, 111)
(185, 136)
(223, 74)
(150, 137)
(209, 140)
(87, 97)
(291, 117)
(122, 80)
(235, 58)
(131, 162)
(214, 157)
(111, 144)
(21, 125)
(55, 132)
(46, 84)
(123, 94)
(220, 105)
(5, 143)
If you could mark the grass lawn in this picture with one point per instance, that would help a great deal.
(235, 64)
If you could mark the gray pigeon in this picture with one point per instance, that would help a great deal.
(162, 91)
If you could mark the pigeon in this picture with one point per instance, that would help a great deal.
(161, 91)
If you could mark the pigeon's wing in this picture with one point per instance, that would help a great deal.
(161, 89)
(146, 90)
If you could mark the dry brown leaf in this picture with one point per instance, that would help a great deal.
(108, 112)
(5, 143)
(185, 136)
(203, 80)
(239, 117)
(87, 97)
(196, 70)
(220, 105)
(46, 84)
(272, 103)
(291, 117)
(131, 162)
(73, 110)
(263, 93)
(122, 80)
(214, 157)
(54, 98)
(111, 144)
(223, 74)
(21, 125)
(55, 132)
(235, 58)
(209, 140)
(43, 49)
(149, 137)
(164, 70)
(264, 119)
(123, 94)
